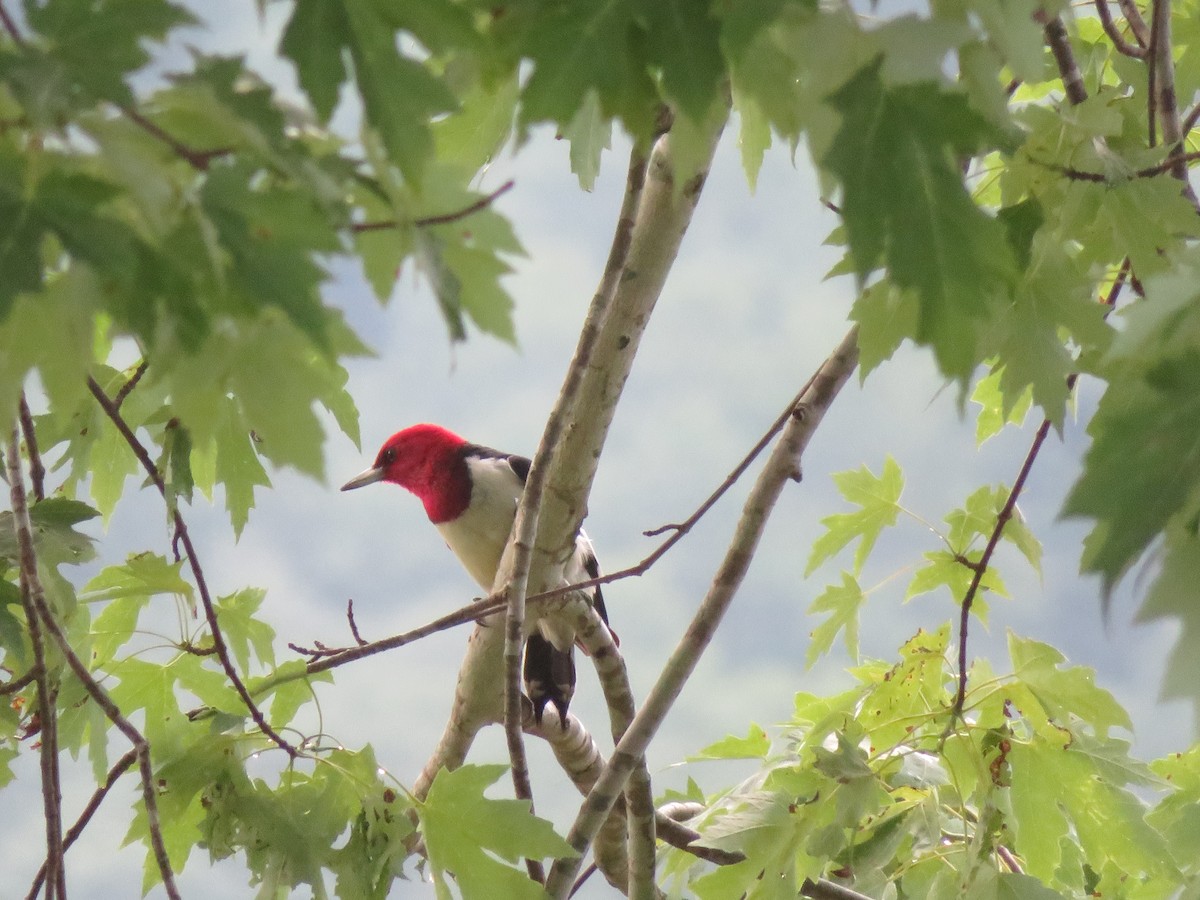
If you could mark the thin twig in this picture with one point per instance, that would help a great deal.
(197, 159)
(181, 531)
(979, 568)
(1167, 166)
(440, 219)
(127, 388)
(11, 687)
(1006, 513)
(37, 471)
(1114, 33)
(1137, 25)
(119, 768)
(353, 625)
(681, 529)
(46, 688)
(782, 465)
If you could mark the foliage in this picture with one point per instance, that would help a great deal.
(1006, 175)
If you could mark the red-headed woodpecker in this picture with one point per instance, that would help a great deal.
(471, 494)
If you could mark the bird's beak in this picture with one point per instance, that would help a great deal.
(370, 476)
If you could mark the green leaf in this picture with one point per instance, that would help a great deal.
(313, 40)
(905, 206)
(591, 45)
(843, 604)
(1054, 298)
(997, 408)
(682, 41)
(471, 137)
(886, 316)
(754, 138)
(847, 763)
(978, 518)
(1143, 467)
(755, 745)
(122, 27)
(150, 687)
(54, 536)
(590, 134)
(243, 630)
(945, 569)
(465, 832)
(210, 685)
(1065, 692)
(400, 95)
(238, 466)
(129, 587)
(1173, 595)
(878, 499)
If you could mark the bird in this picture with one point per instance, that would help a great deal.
(470, 493)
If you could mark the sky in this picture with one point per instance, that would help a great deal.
(745, 317)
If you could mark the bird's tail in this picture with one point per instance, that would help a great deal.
(549, 676)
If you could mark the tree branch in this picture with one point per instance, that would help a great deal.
(37, 471)
(130, 383)
(654, 237)
(782, 465)
(40, 612)
(47, 688)
(1006, 512)
(515, 570)
(210, 612)
(441, 218)
(1060, 46)
(1163, 66)
(119, 768)
(197, 159)
(1114, 33)
(1137, 25)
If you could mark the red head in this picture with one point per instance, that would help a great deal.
(427, 460)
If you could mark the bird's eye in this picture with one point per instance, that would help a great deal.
(388, 456)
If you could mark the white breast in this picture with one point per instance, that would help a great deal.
(478, 536)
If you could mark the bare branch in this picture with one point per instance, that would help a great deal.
(1163, 67)
(441, 218)
(199, 160)
(1060, 46)
(1169, 165)
(132, 382)
(210, 611)
(353, 625)
(1137, 25)
(11, 687)
(37, 471)
(1114, 33)
(782, 465)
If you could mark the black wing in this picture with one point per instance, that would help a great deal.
(519, 464)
